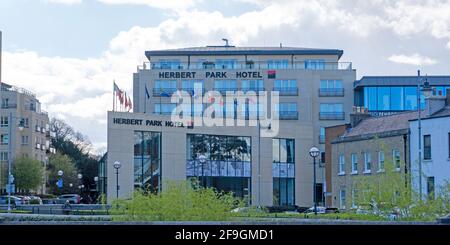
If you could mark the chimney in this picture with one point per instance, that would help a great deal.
(359, 113)
(434, 104)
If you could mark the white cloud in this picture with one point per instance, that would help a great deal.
(67, 2)
(162, 4)
(415, 59)
(448, 45)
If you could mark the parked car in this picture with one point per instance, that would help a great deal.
(35, 200)
(14, 200)
(25, 199)
(72, 198)
(320, 210)
(49, 201)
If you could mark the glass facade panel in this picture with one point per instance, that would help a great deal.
(384, 98)
(397, 99)
(227, 159)
(147, 160)
(283, 171)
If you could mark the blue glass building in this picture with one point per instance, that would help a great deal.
(389, 94)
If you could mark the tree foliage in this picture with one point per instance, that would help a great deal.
(28, 173)
(64, 163)
(389, 192)
(179, 202)
(75, 145)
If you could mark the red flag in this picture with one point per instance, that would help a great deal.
(126, 100)
(129, 103)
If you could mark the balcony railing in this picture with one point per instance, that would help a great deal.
(9, 106)
(331, 115)
(248, 65)
(288, 115)
(287, 91)
(331, 92)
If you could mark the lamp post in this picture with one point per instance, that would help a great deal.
(117, 165)
(79, 176)
(314, 152)
(202, 160)
(10, 153)
(426, 89)
(60, 183)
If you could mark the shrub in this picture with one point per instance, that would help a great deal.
(180, 201)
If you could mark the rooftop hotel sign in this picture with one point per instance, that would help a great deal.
(209, 74)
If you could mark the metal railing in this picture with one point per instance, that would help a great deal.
(248, 65)
(331, 115)
(288, 115)
(286, 91)
(163, 91)
(331, 92)
(9, 106)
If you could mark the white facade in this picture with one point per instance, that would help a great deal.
(438, 165)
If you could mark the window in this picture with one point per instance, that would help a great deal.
(283, 171)
(147, 160)
(4, 139)
(384, 98)
(342, 200)
(331, 88)
(354, 197)
(427, 147)
(331, 111)
(315, 64)
(367, 163)
(354, 163)
(226, 64)
(191, 85)
(396, 159)
(4, 121)
(252, 85)
(165, 108)
(164, 88)
(5, 103)
(167, 64)
(24, 139)
(430, 187)
(322, 135)
(380, 161)
(287, 110)
(277, 64)
(225, 85)
(4, 156)
(448, 145)
(341, 165)
(285, 87)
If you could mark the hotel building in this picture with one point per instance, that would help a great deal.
(315, 90)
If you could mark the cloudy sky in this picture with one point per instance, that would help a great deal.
(69, 51)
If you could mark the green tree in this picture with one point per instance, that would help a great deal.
(64, 163)
(28, 173)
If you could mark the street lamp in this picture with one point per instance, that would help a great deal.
(117, 165)
(60, 183)
(10, 153)
(314, 152)
(79, 176)
(426, 90)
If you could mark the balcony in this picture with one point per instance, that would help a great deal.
(9, 106)
(287, 91)
(332, 115)
(163, 92)
(224, 91)
(288, 115)
(247, 65)
(331, 92)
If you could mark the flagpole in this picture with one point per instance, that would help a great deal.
(114, 97)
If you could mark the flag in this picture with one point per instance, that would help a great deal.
(126, 100)
(129, 103)
(146, 92)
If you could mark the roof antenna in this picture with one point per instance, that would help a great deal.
(226, 42)
(281, 45)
